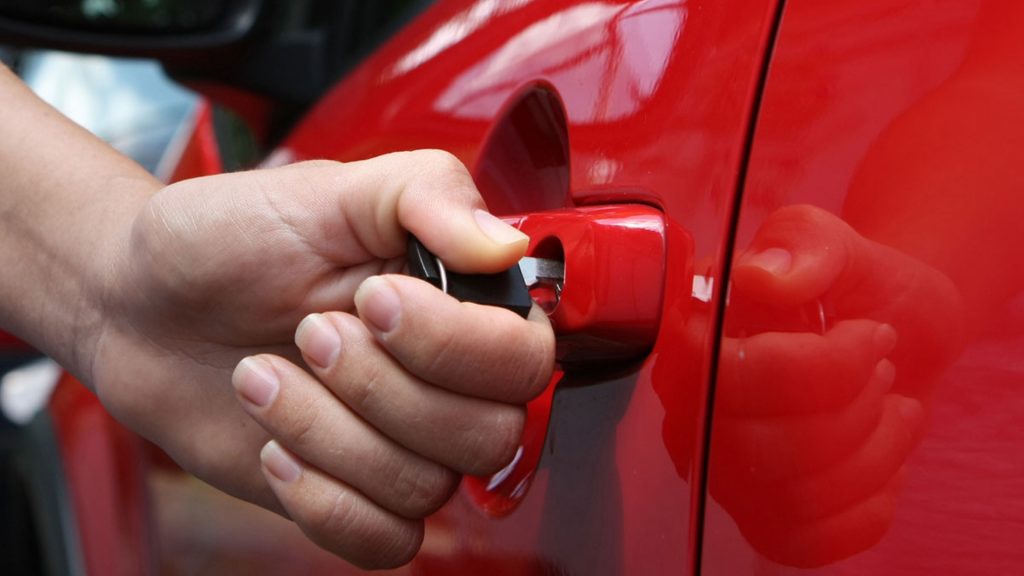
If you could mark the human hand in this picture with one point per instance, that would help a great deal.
(832, 344)
(806, 269)
(373, 416)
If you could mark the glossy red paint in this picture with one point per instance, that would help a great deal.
(523, 164)
(870, 374)
(608, 310)
(614, 257)
(500, 494)
(867, 404)
(9, 343)
(655, 99)
(105, 472)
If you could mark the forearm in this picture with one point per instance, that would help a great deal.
(66, 204)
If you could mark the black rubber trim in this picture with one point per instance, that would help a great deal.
(723, 287)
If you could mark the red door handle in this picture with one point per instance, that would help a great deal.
(610, 302)
(609, 309)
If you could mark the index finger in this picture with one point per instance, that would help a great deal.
(467, 348)
(777, 373)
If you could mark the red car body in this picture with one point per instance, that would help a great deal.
(870, 149)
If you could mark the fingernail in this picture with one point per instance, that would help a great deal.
(497, 230)
(319, 340)
(884, 375)
(255, 381)
(378, 303)
(280, 463)
(773, 260)
(885, 340)
(911, 410)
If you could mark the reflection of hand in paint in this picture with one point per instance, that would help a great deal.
(831, 345)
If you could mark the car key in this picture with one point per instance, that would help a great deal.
(509, 289)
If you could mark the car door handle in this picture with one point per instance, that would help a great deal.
(607, 311)
(609, 304)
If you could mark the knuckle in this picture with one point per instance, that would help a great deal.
(443, 353)
(440, 160)
(318, 164)
(532, 362)
(395, 548)
(302, 430)
(345, 526)
(439, 171)
(540, 362)
(362, 393)
(336, 518)
(508, 433)
(498, 445)
(424, 489)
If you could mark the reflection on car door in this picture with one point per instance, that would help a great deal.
(872, 355)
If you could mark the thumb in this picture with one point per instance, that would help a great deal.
(430, 194)
(795, 257)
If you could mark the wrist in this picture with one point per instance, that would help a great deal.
(69, 258)
(67, 201)
(102, 279)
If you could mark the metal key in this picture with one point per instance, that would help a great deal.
(509, 289)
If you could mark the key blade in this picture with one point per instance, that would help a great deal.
(537, 269)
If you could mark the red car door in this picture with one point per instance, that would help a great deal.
(868, 398)
(641, 108)
(865, 408)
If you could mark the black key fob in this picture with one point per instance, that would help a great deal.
(505, 289)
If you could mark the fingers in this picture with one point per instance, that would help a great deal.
(311, 423)
(813, 497)
(795, 256)
(817, 543)
(867, 470)
(786, 447)
(352, 490)
(337, 517)
(470, 435)
(803, 255)
(791, 519)
(478, 351)
(774, 373)
(362, 209)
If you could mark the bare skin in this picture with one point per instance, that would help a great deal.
(251, 325)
